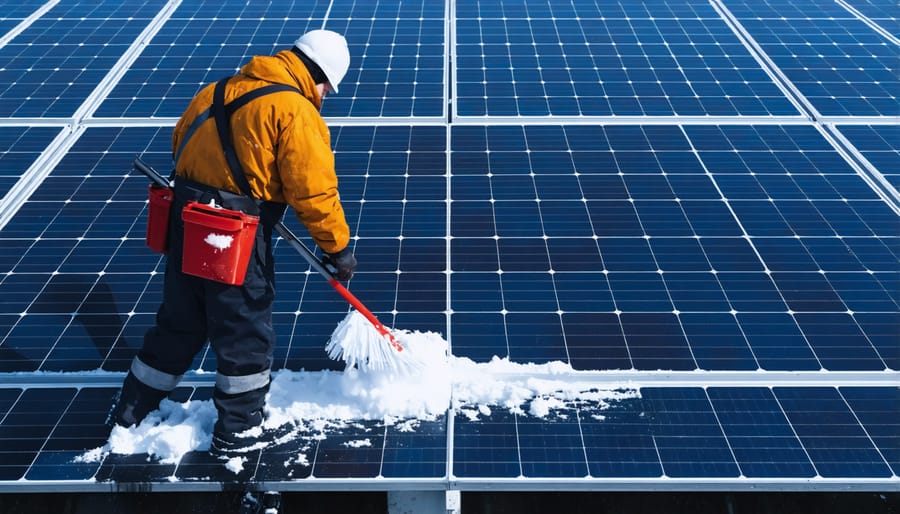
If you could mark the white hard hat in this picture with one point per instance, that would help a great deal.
(329, 51)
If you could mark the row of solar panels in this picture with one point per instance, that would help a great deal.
(734, 248)
(524, 58)
(675, 436)
(685, 247)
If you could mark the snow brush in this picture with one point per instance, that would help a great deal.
(353, 341)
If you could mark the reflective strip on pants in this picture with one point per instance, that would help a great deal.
(153, 377)
(241, 384)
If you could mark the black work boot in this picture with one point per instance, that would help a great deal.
(133, 402)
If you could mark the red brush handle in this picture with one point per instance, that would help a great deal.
(351, 299)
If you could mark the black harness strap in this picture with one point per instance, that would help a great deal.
(222, 114)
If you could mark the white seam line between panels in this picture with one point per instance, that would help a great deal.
(489, 484)
(627, 379)
(92, 103)
(835, 131)
(27, 22)
(449, 78)
(781, 80)
(847, 151)
(869, 173)
(868, 21)
(676, 484)
(37, 172)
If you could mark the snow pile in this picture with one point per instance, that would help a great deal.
(317, 403)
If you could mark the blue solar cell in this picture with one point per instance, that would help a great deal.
(551, 446)
(52, 76)
(838, 341)
(717, 341)
(19, 147)
(398, 68)
(594, 340)
(656, 341)
(29, 422)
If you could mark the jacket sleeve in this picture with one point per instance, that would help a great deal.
(309, 181)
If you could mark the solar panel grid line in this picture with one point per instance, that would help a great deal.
(868, 21)
(25, 23)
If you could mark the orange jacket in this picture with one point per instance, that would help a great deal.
(282, 142)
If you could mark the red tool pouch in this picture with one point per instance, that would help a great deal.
(217, 242)
(158, 217)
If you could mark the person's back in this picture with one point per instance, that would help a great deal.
(282, 146)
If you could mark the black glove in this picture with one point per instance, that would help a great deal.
(344, 262)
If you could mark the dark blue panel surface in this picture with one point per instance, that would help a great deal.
(687, 434)
(54, 64)
(834, 439)
(535, 59)
(759, 434)
(83, 287)
(697, 257)
(878, 410)
(837, 62)
(880, 145)
(19, 147)
(396, 69)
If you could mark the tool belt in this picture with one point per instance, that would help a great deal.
(219, 226)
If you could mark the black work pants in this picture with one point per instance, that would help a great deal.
(237, 321)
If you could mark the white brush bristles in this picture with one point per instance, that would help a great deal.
(359, 344)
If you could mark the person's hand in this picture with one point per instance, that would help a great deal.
(344, 262)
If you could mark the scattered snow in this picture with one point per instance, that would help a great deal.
(358, 443)
(322, 402)
(236, 464)
(219, 241)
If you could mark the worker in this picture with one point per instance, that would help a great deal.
(284, 148)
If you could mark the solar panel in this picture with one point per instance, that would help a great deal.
(649, 59)
(677, 267)
(836, 61)
(51, 67)
(732, 259)
(398, 52)
(748, 434)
